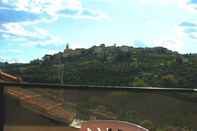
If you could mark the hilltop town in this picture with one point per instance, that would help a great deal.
(112, 65)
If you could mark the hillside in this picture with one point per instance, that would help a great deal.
(112, 65)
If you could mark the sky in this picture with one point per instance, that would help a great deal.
(29, 29)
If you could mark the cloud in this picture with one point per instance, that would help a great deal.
(49, 9)
(75, 4)
(83, 14)
(193, 35)
(139, 43)
(190, 29)
(36, 36)
(18, 16)
(193, 1)
(2, 59)
(92, 13)
(17, 30)
(188, 24)
(152, 2)
(176, 43)
(8, 15)
(171, 44)
(162, 2)
(69, 11)
(193, 4)
(19, 20)
(187, 5)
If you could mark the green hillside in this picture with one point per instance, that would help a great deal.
(113, 65)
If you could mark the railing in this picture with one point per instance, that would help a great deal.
(26, 85)
(94, 87)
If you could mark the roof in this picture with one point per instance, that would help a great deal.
(7, 77)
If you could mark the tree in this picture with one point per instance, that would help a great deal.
(149, 125)
(138, 82)
(169, 80)
(36, 62)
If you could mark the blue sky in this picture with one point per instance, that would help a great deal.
(31, 28)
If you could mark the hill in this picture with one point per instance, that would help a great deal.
(122, 65)
(2, 64)
(113, 65)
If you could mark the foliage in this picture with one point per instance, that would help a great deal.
(112, 65)
(148, 124)
(138, 82)
(169, 80)
(121, 65)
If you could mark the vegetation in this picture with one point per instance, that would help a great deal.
(155, 111)
(128, 66)
(112, 65)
